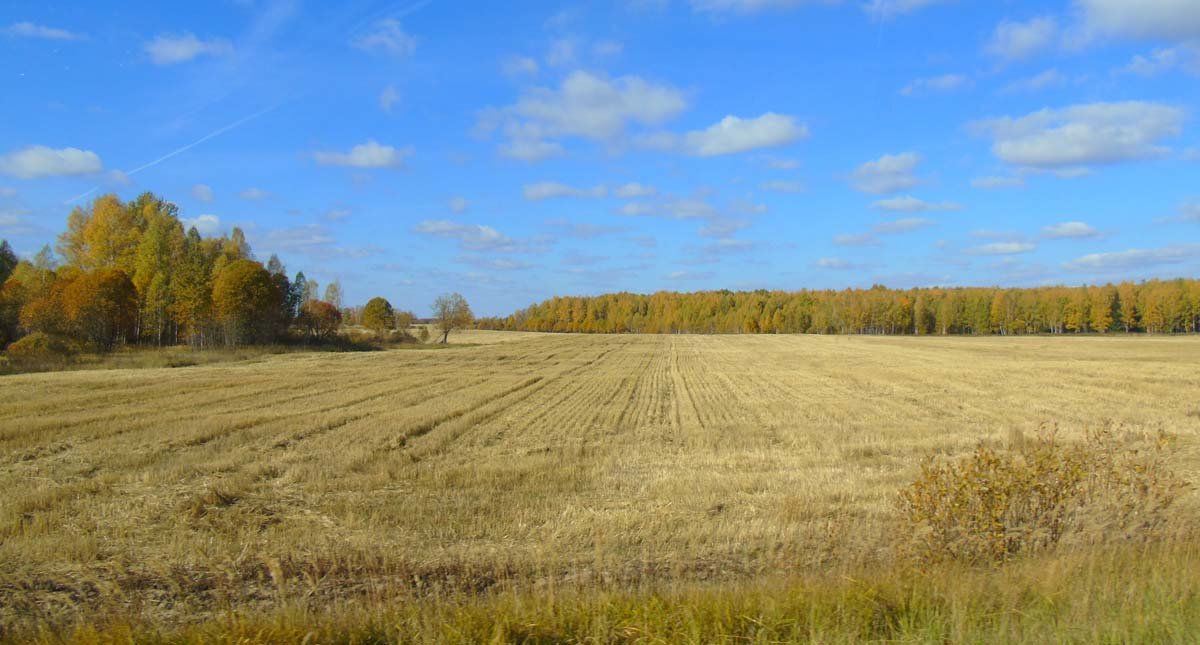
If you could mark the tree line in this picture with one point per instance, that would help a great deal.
(1155, 306)
(131, 274)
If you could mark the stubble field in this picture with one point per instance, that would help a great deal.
(542, 465)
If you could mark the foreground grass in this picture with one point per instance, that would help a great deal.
(1126, 595)
(558, 484)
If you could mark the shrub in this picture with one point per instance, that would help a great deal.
(996, 504)
(40, 346)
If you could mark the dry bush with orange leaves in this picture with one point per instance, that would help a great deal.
(992, 505)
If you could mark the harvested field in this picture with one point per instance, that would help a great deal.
(519, 462)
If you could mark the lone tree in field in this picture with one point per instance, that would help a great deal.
(378, 315)
(450, 312)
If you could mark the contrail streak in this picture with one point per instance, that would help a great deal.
(180, 150)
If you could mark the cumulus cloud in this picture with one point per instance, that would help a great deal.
(1136, 258)
(253, 194)
(746, 6)
(936, 84)
(31, 30)
(1071, 231)
(895, 227)
(905, 225)
(1081, 135)
(202, 192)
(586, 106)
(1003, 248)
(887, 174)
(472, 237)
(315, 241)
(389, 98)
(910, 204)
(888, 9)
(733, 134)
(834, 263)
(171, 49)
(493, 264)
(371, 154)
(997, 182)
(633, 190)
(519, 66)
(1151, 19)
(1190, 212)
(552, 189)
(581, 230)
(1185, 58)
(783, 186)
(1044, 80)
(206, 225)
(387, 37)
(1021, 40)
(458, 204)
(855, 239)
(36, 162)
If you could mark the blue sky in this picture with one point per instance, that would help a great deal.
(515, 151)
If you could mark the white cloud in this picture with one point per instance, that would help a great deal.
(1190, 212)
(551, 190)
(389, 98)
(387, 37)
(1004, 248)
(494, 264)
(783, 186)
(315, 241)
(1021, 40)
(632, 190)
(1071, 231)
(338, 214)
(586, 106)
(1047, 79)
(887, 174)
(35, 162)
(253, 194)
(531, 150)
(723, 227)
(1166, 19)
(473, 237)
(834, 263)
(746, 6)
(204, 224)
(519, 66)
(944, 83)
(1082, 135)
(1185, 57)
(7, 191)
(905, 225)
(887, 9)
(202, 192)
(605, 48)
(561, 53)
(995, 182)
(856, 239)
(1136, 258)
(687, 208)
(910, 204)
(732, 135)
(366, 155)
(171, 49)
(458, 205)
(31, 30)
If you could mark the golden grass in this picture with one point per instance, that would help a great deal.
(529, 465)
